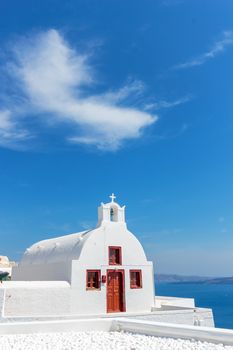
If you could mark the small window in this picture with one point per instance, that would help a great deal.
(93, 279)
(115, 256)
(135, 279)
(111, 214)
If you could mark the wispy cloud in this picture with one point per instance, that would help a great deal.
(218, 47)
(87, 225)
(173, 134)
(54, 82)
(10, 131)
(167, 104)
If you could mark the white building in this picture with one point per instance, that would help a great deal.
(97, 272)
(106, 268)
(6, 265)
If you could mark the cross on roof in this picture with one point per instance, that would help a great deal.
(112, 197)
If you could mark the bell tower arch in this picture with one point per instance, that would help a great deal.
(111, 212)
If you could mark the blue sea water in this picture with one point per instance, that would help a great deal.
(219, 297)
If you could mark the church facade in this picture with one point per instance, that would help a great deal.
(99, 271)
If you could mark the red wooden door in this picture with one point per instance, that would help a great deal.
(115, 291)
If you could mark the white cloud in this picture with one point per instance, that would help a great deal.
(5, 122)
(218, 47)
(54, 80)
(167, 104)
(10, 132)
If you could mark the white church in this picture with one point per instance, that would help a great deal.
(103, 271)
(106, 268)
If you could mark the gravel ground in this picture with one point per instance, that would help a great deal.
(100, 340)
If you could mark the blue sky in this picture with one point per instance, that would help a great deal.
(102, 97)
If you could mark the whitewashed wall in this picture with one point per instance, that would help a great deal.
(60, 271)
(192, 317)
(2, 298)
(37, 302)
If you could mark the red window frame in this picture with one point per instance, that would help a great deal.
(133, 281)
(98, 272)
(119, 254)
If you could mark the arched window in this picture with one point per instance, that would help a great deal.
(112, 214)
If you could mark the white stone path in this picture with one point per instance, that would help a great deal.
(100, 340)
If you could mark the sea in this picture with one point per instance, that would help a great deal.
(218, 297)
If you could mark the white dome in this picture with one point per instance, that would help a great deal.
(64, 248)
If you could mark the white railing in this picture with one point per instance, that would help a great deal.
(168, 330)
(159, 329)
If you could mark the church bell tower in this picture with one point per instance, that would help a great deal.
(111, 212)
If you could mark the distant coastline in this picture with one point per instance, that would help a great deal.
(177, 279)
